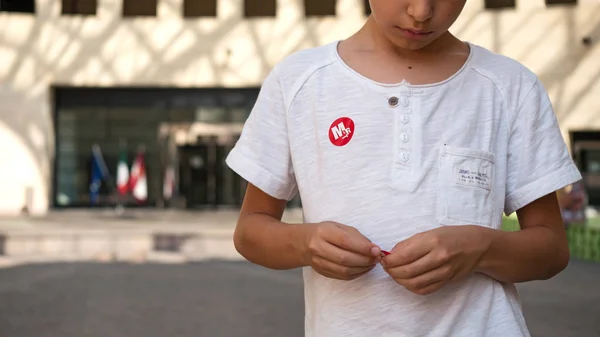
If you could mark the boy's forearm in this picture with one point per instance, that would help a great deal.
(530, 254)
(266, 241)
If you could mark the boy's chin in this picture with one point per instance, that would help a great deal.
(412, 44)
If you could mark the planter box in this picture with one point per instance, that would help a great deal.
(584, 243)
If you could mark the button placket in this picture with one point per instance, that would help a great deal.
(403, 158)
(405, 101)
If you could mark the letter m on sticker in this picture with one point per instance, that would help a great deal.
(340, 131)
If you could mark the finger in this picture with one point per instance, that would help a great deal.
(430, 289)
(408, 251)
(419, 267)
(353, 241)
(355, 276)
(423, 281)
(339, 270)
(404, 256)
(341, 277)
(347, 258)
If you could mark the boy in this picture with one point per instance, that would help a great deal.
(404, 138)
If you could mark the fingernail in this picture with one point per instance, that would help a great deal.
(383, 263)
(376, 251)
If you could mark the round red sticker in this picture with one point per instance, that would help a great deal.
(341, 131)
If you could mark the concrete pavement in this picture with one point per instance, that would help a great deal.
(217, 298)
(567, 305)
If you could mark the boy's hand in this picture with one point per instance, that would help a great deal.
(340, 252)
(427, 261)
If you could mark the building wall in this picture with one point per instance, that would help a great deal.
(46, 49)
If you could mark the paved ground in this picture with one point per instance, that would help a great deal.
(568, 305)
(228, 299)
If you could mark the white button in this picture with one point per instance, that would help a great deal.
(405, 119)
(405, 101)
(404, 157)
(404, 137)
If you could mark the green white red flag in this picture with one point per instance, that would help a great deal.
(123, 172)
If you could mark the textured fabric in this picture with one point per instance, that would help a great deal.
(396, 160)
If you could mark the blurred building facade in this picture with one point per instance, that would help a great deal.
(179, 77)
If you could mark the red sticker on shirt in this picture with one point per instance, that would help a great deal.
(341, 131)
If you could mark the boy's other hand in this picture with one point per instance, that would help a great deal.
(340, 252)
(427, 261)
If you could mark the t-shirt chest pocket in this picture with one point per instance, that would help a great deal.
(466, 187)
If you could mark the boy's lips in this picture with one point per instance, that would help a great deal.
(414, 33)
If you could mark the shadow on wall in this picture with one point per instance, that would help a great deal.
(559, 43)
(44, 50)
(577, 49)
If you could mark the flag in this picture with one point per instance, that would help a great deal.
(138, 182)
(99, 173)
(123, 172)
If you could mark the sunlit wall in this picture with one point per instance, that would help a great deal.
(45, 49)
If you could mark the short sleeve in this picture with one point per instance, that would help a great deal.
(539, 162)
(262, 154)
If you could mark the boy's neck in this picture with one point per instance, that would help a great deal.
(371, 38)
(374, 56)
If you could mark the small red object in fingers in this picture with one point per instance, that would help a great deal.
(385, 252)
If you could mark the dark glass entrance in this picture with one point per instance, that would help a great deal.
(205, 179)
(108, 118)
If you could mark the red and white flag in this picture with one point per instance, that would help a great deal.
(138, 183)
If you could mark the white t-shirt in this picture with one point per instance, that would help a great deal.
(397, 160)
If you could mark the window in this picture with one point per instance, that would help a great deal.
(319, 7)
(203, 8)
(83, 7)
(367, 8)
(139, 8)
(17, 6)
(499, 4)
(260, 8)
(561, 2)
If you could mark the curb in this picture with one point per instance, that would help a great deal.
(130, 246)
